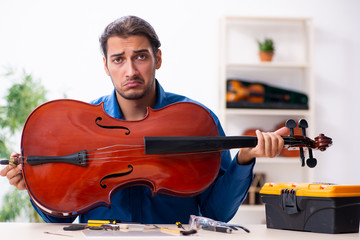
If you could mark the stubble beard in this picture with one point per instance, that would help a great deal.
(136, 95)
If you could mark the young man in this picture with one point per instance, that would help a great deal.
(131, 57)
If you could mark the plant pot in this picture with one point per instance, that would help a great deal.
(266, 56)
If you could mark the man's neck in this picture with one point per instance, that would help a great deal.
(136, 109)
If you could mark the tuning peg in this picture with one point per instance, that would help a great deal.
(303, 125)
(302, 157)
(311, 162)
(291, 124)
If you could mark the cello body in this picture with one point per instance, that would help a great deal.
(76, 156)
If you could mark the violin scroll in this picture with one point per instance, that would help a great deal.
(322, 142)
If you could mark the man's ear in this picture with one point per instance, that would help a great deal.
(105, 66)
(158, 59)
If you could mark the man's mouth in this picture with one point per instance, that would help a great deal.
(133, 83)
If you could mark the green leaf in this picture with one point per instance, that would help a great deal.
(267, 45)
(22, 98)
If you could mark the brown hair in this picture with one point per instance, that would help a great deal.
(129, 26)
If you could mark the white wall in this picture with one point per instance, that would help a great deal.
(58, 42)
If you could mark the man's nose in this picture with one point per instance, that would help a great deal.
(131, 69)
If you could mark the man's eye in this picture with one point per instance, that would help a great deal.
(117, 60)
(141, 57)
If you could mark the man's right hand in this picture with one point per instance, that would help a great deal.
(14, 174)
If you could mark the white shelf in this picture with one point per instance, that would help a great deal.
(267, 112)
(269, 65)
(268, 19)
(279, 160)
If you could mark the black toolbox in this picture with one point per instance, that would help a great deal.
(322, 208)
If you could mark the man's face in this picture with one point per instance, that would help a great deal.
(131, 65)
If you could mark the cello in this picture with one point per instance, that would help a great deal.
(75, 156)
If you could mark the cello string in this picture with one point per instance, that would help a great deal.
(113, 151)
(92, 155)
(142, 157)
(118, 145)
(139, 147)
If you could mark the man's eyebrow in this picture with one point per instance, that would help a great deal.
(141, 50)
(135, 51)
(117, 54)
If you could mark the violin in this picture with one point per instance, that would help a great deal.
(75, 156)
(254, 93)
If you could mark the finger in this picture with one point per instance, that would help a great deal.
(21, 185)
(273, 144)
(261, 142)
(4, 171)
(13, 172)
(278, 141)
(19, 167)
(283, 131)
(15, 180)
(18, 180)
(280, 144)
(14, 154)
(268, 145)
(276, 144)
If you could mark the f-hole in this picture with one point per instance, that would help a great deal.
(116, 175)
(98, 119)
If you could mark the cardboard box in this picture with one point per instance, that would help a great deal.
(323, 208)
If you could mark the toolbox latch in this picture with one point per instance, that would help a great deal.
(288, 201)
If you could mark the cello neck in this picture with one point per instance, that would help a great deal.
(161, 145)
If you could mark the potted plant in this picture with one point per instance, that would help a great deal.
(266, 50)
